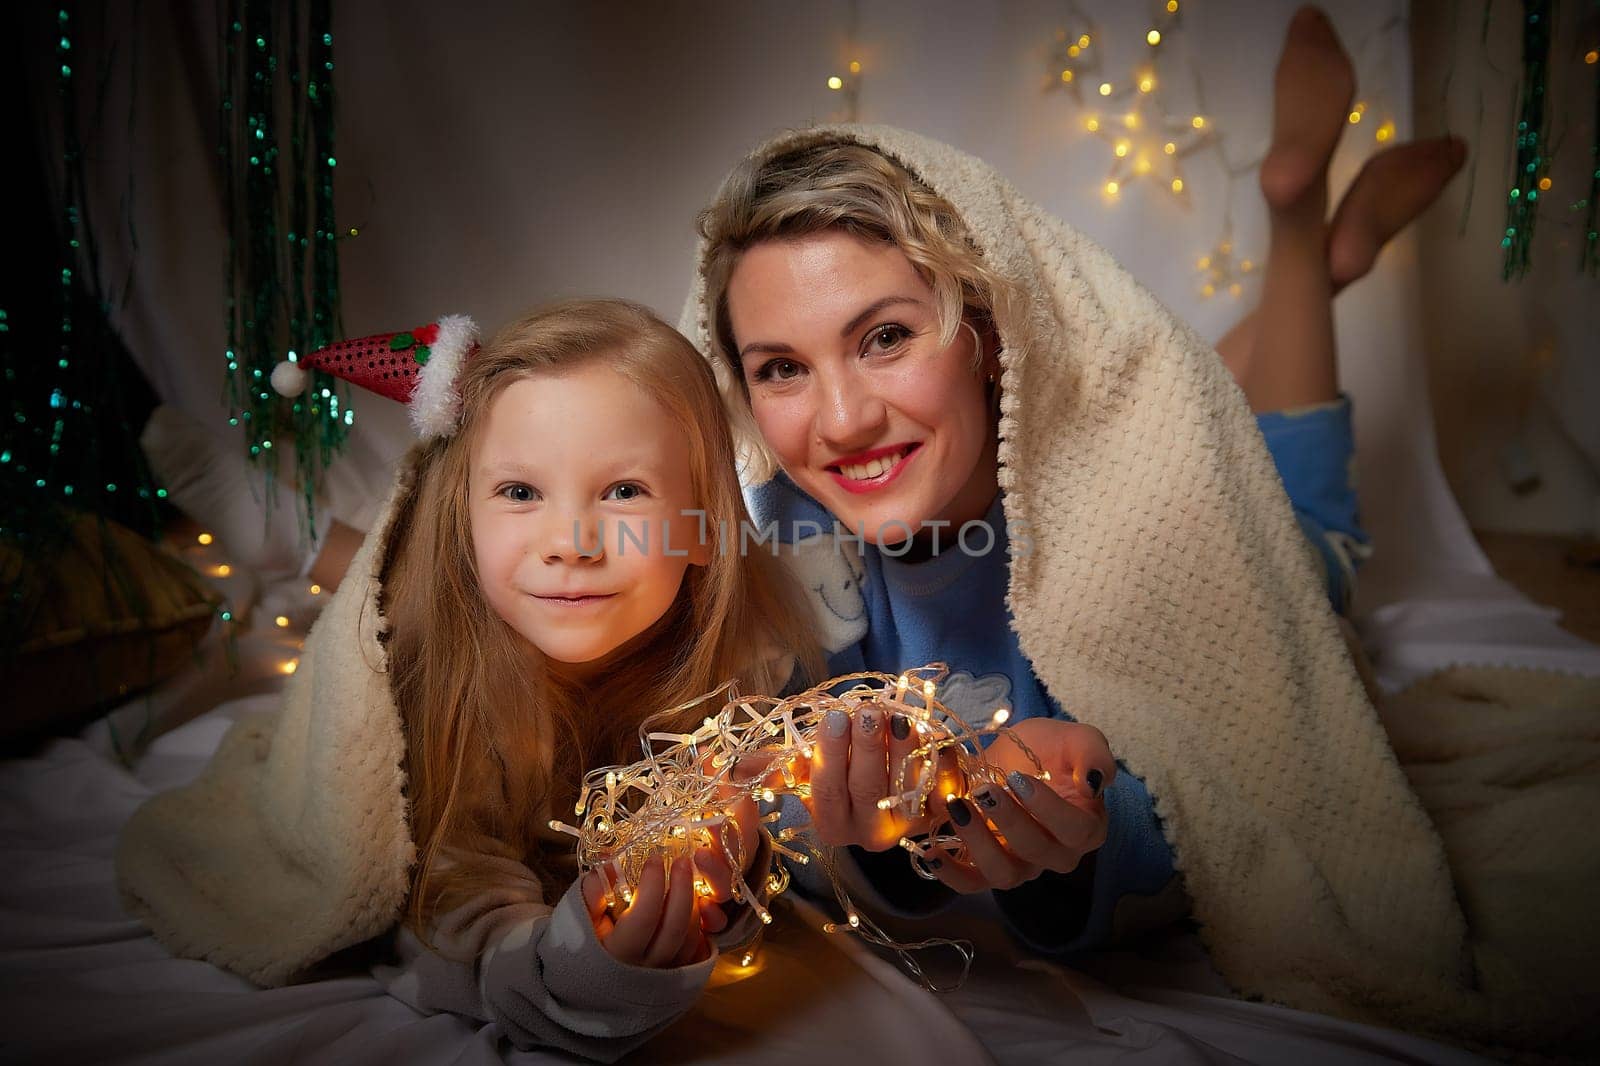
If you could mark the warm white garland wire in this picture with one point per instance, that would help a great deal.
(677, 798)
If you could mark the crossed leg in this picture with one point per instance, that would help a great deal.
(1283, 353)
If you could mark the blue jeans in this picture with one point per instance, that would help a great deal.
(1314, 449)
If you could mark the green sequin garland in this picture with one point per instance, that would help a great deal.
(282, 262)
(1522, 202)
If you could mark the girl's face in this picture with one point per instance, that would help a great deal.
(578, 483)
(838, 342)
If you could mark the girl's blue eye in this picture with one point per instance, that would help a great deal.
(627, 490)
(520, 493)
(778, 370)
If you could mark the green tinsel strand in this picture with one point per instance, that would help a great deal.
(282, 297)
(1522, 202)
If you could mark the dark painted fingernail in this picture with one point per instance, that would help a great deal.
(836, 722)
(987, 797)
(1021, 784)
(960, 812)
(900, 726)
(1094, 777)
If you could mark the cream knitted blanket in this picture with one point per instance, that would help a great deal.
(1169, 600)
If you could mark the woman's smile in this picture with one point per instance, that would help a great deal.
(871, 471)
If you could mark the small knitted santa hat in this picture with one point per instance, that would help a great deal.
(418, 367)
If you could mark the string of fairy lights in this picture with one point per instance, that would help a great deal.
(677, 799)
(1149, 142)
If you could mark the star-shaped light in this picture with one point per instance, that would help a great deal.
(1147, 143)
(1220, 271)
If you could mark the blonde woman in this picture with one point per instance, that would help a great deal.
(1035, 474)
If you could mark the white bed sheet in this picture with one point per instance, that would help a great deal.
(85, 983)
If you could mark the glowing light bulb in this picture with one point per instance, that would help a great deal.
(1245, 266)
(1146, 83)
(1131, 120)
(289, 666)
(1355, 117)
(1105, 88)
(282, 621)
(1141, 166)
(316, 590)
(1066, 76)
(1093, 125)
(1204, 263)
(1208, 291)
(224, 570)
(1385, 131)
(1111, 188)
(1001, 715)
(1122, 149)
(1591, 57)
(1083, 42)
(835, 82)
(1544, 184)
(1170, 148)
(204, 538)
(1073, 51)
(1198, 122)
(1177, 184)
(855, 66)
(747, 959)
(1152, 38)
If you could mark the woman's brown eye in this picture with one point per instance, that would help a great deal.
(782, 369)
(889, 336)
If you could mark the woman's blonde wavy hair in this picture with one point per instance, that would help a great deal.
(497, 742)
(840, 185)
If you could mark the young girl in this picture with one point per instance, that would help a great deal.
(535, 591)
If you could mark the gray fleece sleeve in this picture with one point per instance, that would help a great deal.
(539, 973)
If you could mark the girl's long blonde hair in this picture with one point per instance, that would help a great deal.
(496, 742)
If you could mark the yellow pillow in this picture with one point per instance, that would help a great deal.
(106, 616)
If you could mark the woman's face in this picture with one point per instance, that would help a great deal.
(838, 341)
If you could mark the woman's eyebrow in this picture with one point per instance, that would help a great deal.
(777, 348)
(872, 309)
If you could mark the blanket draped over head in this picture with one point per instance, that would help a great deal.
(1170, 600)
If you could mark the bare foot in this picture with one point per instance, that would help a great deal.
(1393, 188)
(1311, 96)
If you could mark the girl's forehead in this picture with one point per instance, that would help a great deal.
(587, 417)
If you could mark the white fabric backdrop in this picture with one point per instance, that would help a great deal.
(500, 156)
